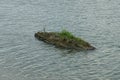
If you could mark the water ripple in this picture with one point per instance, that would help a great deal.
(22, 57)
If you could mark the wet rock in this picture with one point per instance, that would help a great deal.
(63, 42)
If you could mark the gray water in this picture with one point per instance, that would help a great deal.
(22, 57)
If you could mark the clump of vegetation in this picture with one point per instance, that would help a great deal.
(66, 34)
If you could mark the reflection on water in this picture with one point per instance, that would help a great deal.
(22, 57)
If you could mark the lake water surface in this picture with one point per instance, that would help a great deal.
(22, 57)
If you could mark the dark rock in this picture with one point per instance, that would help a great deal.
(63, 42)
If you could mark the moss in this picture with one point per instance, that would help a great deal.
(81, 41)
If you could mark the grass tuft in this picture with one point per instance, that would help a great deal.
(66, 34)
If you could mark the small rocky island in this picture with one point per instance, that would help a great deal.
(64, 39)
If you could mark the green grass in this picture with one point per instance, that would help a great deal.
(66, 34)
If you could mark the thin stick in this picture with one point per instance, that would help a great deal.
(44, 29)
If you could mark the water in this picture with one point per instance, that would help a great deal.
(22, 57)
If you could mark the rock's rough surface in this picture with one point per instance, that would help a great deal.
(63, 42)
